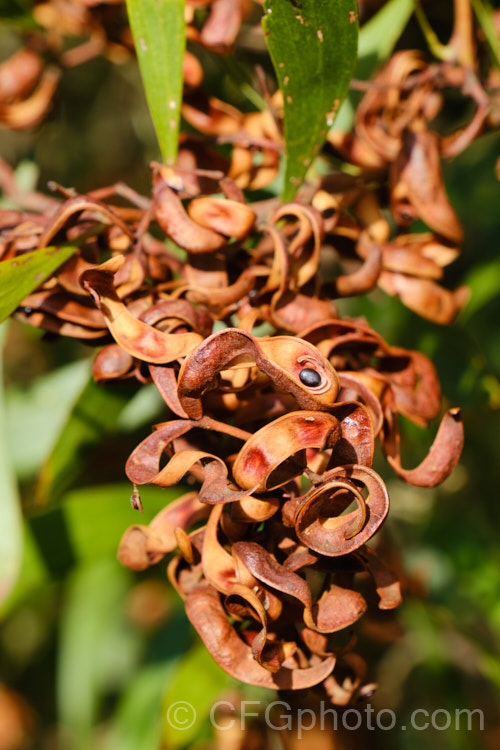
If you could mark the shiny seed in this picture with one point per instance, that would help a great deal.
(310, 377)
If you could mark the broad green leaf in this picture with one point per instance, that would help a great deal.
(35, 415)
(94, 416)
(10, 510)
(158, 28)
(377, 39)
(21, 275)
(87, 525)
(312, 44)
(193, 690)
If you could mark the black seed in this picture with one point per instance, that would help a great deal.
(310, 377)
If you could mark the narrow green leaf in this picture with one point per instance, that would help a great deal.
(138, 720)
(158, 28)
(10, 512)
(21, 275)
(142, 409)
(313, 45)
(37, 414)
(94, 416)
(484, 15)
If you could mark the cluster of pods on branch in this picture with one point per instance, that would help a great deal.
(277, 429)
(228, 307)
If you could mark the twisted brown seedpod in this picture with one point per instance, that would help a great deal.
(142, 546)
(136, 337)
(292, 365)
(26, 89)
(206, 613)
(338, 534)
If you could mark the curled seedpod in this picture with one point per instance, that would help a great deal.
(319, 520)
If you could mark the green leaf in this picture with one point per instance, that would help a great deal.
(137, 721)
(98, 651)
(143, 408)
(484, 15)
(158, 28)
(10, 511)
(88, 525)
(94, 416)
(192, 692)
(484, 283)
(312, 44)
(36, 415)
(21, 275)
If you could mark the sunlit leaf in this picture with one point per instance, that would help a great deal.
(36, 415)
(87, 525)
(94, 416)
(312, 44)
(143, 408)
(10, 512)
(159, 36)
(21, 275)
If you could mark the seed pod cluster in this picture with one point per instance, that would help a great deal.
(228, 306)
(277, 430)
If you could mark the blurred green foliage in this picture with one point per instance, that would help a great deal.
(100, 653)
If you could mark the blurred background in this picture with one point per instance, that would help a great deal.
(91, 655)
